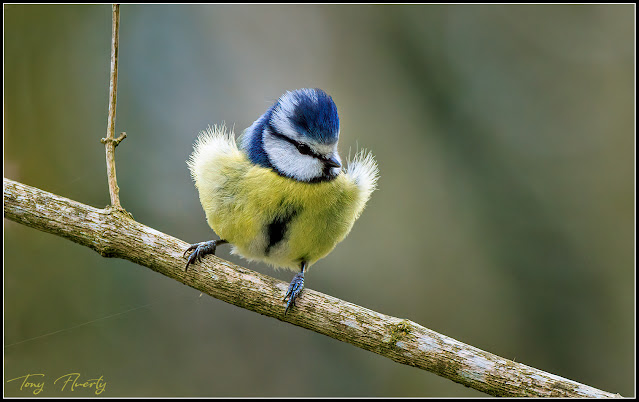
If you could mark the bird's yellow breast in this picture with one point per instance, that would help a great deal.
(276, 219)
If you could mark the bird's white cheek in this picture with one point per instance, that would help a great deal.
(286, 159)
(301, 167)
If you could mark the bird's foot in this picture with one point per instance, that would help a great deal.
(294, 290)
(200, 250)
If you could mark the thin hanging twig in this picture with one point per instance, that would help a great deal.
(110, 142)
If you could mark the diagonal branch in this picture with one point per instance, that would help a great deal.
(112, 233)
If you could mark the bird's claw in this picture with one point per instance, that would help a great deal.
(191, 247)
(294, 289)
(201, 249)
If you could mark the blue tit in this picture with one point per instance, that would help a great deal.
(282, 196)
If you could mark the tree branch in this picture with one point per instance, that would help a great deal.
(112, 233)
(110, 142)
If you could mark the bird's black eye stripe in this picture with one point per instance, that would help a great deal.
(302, 148)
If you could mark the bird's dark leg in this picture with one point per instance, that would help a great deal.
(201, 249)
(295, 287)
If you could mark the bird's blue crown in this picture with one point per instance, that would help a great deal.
(311, 112)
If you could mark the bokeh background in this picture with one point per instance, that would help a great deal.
(504, 216)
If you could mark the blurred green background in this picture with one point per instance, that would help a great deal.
(504, 216)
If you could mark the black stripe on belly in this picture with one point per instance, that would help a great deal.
(276, 230)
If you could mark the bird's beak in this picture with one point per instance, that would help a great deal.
(333, 162)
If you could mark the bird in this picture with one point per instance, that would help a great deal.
(282, 196)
